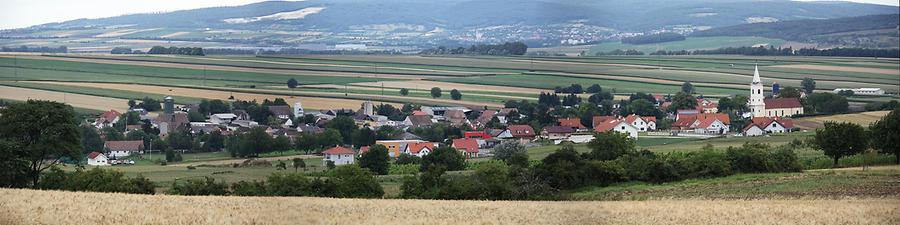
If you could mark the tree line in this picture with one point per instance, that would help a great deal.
(772, 51)
(507, 48)
(43, 49)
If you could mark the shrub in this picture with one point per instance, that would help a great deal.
(96, 180)
(403, 169)
(604, 172)
(249, 188)
(493, 180)
(749, 158)
(646, 166)
(351, 181)
(610, 145)
(376, 159)
(408, 159)
(288, 184)
(513, 153)
(563, 168)
(447, 157)
(207, 186)
(704, 163)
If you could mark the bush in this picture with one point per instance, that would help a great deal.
(493, 180)
(207, 186)
(604, 172)
(403, 169)
(96, 180)
(408, 159)
(646, 166)
(249, 188)
(563, 169)
(351, 181)
(704, 163)
(749, 158)
(446, 157)
(513, 153)
(288, 184)
(376, 159)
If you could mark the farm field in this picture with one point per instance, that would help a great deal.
(863, 119)
(693, 43)
(53, 207)
(485, 81)
(76, 100)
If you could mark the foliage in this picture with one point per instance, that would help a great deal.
(789, 92)
(435, 92)
(455, 94)
(406, 159)
(355, 182)
(563, 169)
(841, 139)
(404, 91)
(512, 153)
(508, 48)
(885, 134)
(215, 106)
(175, 51)
(610, 145)
(298, 163)
(808, 85)
(345, 125)
(13, 167)
(403, 169)
(687, 87)
(828, 103)
(292, 83)
(364, 137)
(206, 186)
(445, 157)
(682, 100)
(90, 139)
(251, 143)
(376, 159)
(45, 132)
(95, 180)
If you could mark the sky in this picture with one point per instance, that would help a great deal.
(24, 13)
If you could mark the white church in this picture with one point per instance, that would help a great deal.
(760, 106)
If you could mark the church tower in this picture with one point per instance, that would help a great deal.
(756, 104)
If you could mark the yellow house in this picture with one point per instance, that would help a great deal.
(395, 146)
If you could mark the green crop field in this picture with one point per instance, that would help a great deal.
(689, 44)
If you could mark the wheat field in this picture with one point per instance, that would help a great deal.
(59, 207)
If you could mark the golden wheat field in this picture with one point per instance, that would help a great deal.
(58, 207)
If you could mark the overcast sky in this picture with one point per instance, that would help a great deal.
(24, 13)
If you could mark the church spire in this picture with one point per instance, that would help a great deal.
(756, 74)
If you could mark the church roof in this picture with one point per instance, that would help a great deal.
(782, 103)
(756, 79)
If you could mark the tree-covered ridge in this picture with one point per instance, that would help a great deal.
(653, 38)
(829, 31)
(508, 48)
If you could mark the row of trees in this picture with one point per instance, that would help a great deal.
(772, 51)
(838, 140)
(507, 48)
(612, 158)
(43, 49)
(176, 51)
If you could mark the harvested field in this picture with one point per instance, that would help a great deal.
(76, 100)
(308, 102)
(446, 86)
(331, 65)
(325, 102)
(371, 88)
(58, 207)
(842, 69)
(864, 119)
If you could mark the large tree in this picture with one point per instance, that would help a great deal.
(292, 83)
(446, 157)
(435, 92)
(886, 134)
(687, 87)
(808, 85)
(376, 159)
(841, 139)
(789, 92)
(90, 139)
(610, 145)
(455, 94)
(512, 152)
(683, 100)
(345, 125)
(45, 132)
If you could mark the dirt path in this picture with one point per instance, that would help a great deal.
(842, 69)
(76, 100)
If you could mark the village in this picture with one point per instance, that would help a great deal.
(473, 132)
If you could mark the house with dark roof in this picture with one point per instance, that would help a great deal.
(467, 146)
(120, 149)
(339, 155)
(281, 111)
(522, 132)
(556, 132)
(417, 121)
(485, 118)
(574, 123)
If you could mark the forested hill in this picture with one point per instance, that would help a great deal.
(878, 30)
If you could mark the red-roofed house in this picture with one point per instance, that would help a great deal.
(522, 132)
(705, 123)
(107, 119)
(642, 123)
(763, 125)
(782, 107)
(339, 155)
(97, 159)
(574, 123)
(467, 146)
(119, 149)
(420, 149)
(477, 134)
(617, 125)
(600, 119)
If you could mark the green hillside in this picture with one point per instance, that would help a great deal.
(693, 43)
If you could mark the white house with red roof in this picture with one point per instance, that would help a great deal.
(617, 125)
(642, 123)
(420, 149)
(107, 119)
(704, 123)
(467, 146)
(97, 159)
(765, 125)
(339, 155)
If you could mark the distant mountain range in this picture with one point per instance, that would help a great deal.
(429, 23)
